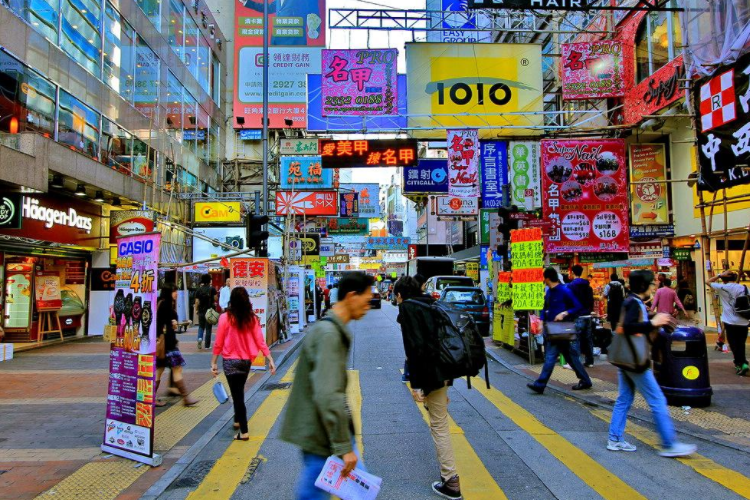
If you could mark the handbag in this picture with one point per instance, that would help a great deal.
(560, 330)
(161, 346)
(631, 353)
(212, 317)
(220, 392)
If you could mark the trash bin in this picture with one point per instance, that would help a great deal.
(681, 367)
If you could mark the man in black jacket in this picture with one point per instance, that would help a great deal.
(427, 382)
(582, 291)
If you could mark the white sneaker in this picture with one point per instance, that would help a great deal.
(567, 366)
(678, 450)
(620, 446)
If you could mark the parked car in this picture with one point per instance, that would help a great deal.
(470, 299)
(435, 285)
(376, 302)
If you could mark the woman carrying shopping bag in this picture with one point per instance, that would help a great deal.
(239, 339)
(166, 323)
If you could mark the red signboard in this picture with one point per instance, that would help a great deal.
(130, 223)
(592, 70)
(308, 203)
(369, 153)
(585, 195)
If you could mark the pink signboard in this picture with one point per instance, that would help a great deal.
(359, 82)
(585, 195)
(323, 203)
(592, 70)
(463, 163)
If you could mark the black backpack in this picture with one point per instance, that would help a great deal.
(204, 295)
(742, 305)
(461, 346)
(616, 293)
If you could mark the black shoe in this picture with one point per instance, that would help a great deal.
(448, 489)
(535, 388)
(580, 386)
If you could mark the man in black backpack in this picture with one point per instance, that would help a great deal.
(735, 325)
(428, 384)
(614, 292)
(205, 298)
(582, 291)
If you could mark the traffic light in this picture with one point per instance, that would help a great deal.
(256, 236)
(505, 225)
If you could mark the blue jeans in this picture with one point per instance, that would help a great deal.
(204, 327)
(552, 351)
(647, 386)
(585, 340)
(312, 464)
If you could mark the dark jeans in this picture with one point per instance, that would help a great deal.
(736, 335)
(585, 339)
(236, 383)
(552, 351)
(204, 327)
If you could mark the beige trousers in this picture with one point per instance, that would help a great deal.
(436, 404)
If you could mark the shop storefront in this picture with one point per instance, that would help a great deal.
(46, 245)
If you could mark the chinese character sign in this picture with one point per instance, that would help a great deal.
(368, 153)
(304, 172)
(306, 146)
(463, 163)
(585, 195)
(387, 243)
(349, 204)
(527, 259)
(723, 104)
(293, 22)
(648, 165)
(252, 274)
(359, 82)
(494, 172)
(525, 174)
(368, 198)
(503, 287)
(592, 70)
(307, 202)
(129, 426)
(429, 176)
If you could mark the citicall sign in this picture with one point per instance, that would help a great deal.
(218, 211)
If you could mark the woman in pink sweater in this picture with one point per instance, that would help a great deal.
(665, 299)
(239, 339)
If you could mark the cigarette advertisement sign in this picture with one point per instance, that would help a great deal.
(360, 82)
(525, 175)
(592, 70)
(463, 163)
(304, 172)
(527, 260)
(309, 202)
(494, 172)
(129, 426)
(648, 165)
(493, 83)
(585, 195)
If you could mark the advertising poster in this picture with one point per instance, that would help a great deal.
(360, 82)
(490, 82)
(323, 203)
(472, 271)
(585, 195)
(293, 147)
(293, 22)
(524, 160)
(504, 293)
(368, 198)
(494, 172)
(592, 70)
(463, 163)
(369, 153)
(217, 211)
(253, 275)
(355, 226)
(503, 325)
(527, 261)
(387, 243)
(429, 176)
(451, 206)
(129, 223)
(129, 426)
(304, 172)
(208, 246)
(47, 291)
(461, 26)
(648, 162)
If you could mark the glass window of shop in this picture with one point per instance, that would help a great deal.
(175, 33)
(190, 54)
(201, 134)
(170, 175)
(81, 32)
(78, 125)
(188, 182)
(152, 9)
(659, 40)
(27, 101)
(144, 159)
(174, 107)
(215, 78)
(146, 92)
(204, 64)
(116, 147)
(118, 53)
(213, 146)
(42, 15)
(190, 121)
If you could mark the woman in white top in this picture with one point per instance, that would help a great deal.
(735, 326)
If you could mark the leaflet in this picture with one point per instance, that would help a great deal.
(359, 485)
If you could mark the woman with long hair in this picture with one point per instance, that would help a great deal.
(166, 324)
(239, 339)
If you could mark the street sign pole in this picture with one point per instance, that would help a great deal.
(266, 29)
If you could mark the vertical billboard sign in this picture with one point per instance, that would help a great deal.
(360, 82)
(585, 195)
(592, 70)
(463, 163)
(494, 172)
(527, 260)
(252, 274)
(648, 167)
(525, 173)
(129, 426)
(368, 198)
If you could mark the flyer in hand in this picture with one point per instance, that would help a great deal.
(358, 485)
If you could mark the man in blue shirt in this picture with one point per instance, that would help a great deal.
(559, 305)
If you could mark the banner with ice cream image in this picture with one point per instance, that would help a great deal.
(648, 194)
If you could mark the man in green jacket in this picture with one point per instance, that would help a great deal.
(318, 419)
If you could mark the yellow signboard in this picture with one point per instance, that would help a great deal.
(482, 83)
(218, 211)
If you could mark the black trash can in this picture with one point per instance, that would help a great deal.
(681, 367)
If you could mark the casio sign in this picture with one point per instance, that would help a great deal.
(135, 248)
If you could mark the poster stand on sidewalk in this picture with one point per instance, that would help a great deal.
(49, 323)
(527, 260)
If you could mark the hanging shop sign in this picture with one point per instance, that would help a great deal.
(527, 261)
(350, 226)
(723, 104)
(428, 176)
(310, 245)
(648, 202)
(646, 250)
(309, 203)
(294, 147)
(368, 198)
(504, 293)
(207, 242)
(368, 153)
(530, 4)
(494, 172)
(130, 223)
(129, 426)
(592, 70)
(590, 258)
(463, 163)
(453, 206)
(524, 159)
(327, 247)
(411, 252)
(340, 258)
(395, 227)
(304, 172)
(10, 211)
(472, 271)
(253, 275)
(585, 195)
(653, 231)
(103, 278)
(655, 92)
(387, 243)
(476, 81)
(464, 27)
(349, 204)
(293, 22)
(217, 211)
(681, 254)
(359, 82)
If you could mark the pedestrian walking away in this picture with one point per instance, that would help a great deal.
(166, 324)
(687, 297)
(614, 292)
(559, 305)
(239, 339)
(735, 326)
(581, 289)
(665, 300)
(318, 418)
(205, 299)
(420, 281)
(428, 385)
(635, 321)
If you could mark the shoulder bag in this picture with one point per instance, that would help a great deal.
(161, 345)
(742, 305)
(629, 352)
(212, 316)
(560, 330)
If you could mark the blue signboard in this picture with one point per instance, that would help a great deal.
(305, 172)
(368, 198)
(654, 231)
(429, 176)
(316, 122)
(250, 135)
(387, 243)
(494, 157)
(483, 264)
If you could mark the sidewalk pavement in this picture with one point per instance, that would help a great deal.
(725, 422)
(53, 405)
